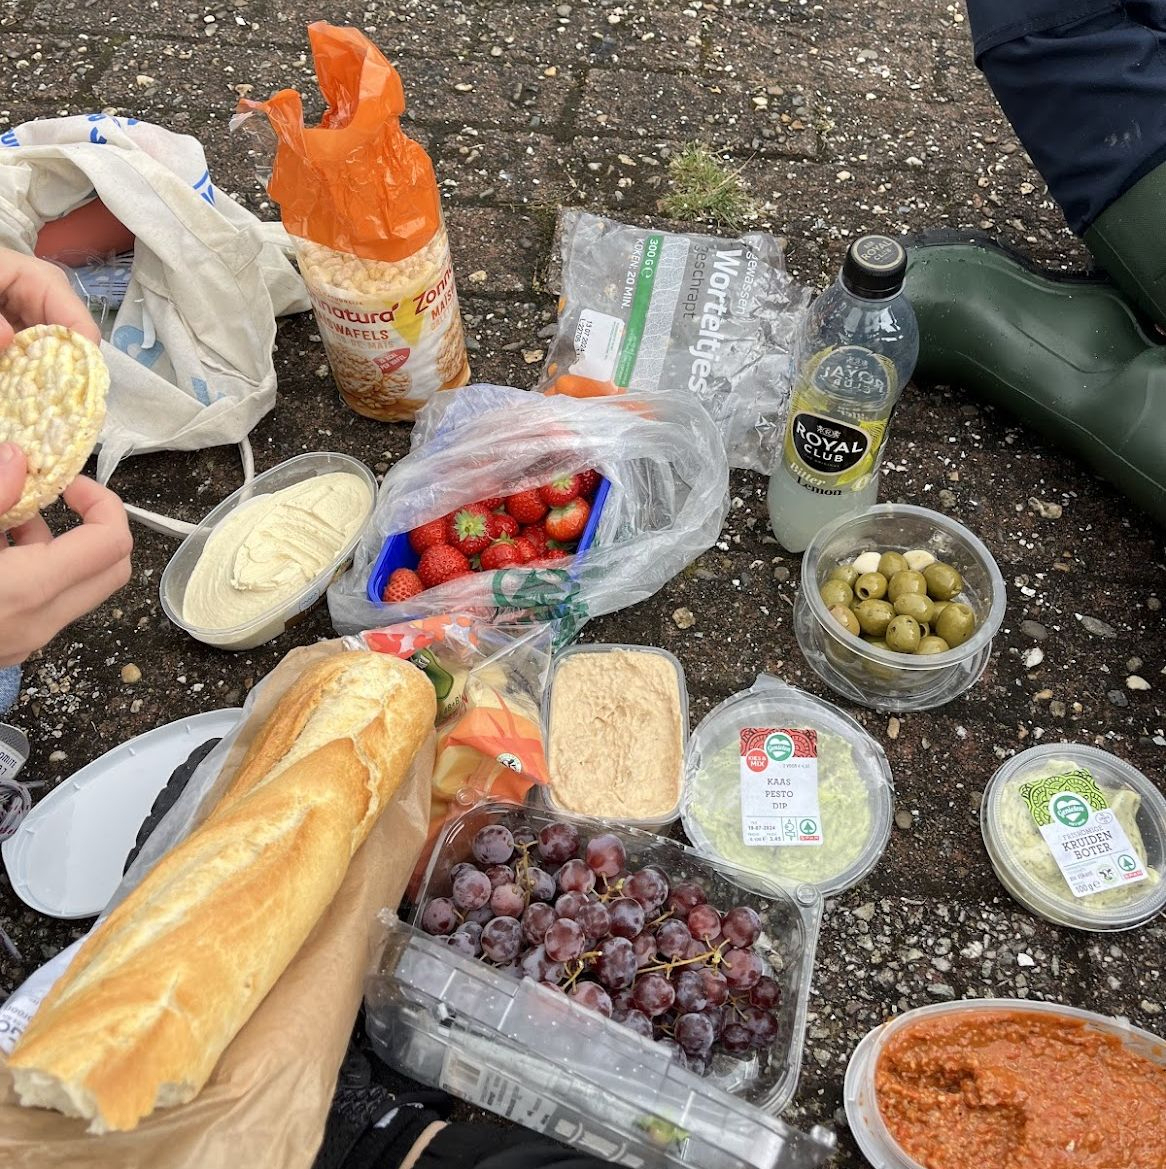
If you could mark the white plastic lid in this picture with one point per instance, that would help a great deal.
(855, 790)
(1025, 862)
(67, 857)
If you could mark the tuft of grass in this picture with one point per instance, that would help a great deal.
(703, 187)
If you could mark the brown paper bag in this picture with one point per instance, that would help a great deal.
(266, 1103)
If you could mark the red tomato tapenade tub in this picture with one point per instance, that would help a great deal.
(1008, 1084)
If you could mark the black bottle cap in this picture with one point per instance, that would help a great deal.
(874, 267)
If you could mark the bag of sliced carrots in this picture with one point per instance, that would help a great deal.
(360, 201)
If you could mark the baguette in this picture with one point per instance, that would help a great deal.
(161, 987)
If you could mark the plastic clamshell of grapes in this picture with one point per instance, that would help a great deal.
(644, 955)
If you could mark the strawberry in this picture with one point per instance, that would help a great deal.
(502, 525)
(441, 563)
(526, 507)
(493, 503)
(501, 554)
(567, 523)
(403, 584)
(551, 556)
(428, 535)
(537, 535)
(469, 529)
(559, 492)
(588, 483)
(526, 549)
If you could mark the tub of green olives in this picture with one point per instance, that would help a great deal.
(542, 1058)
(898, 607)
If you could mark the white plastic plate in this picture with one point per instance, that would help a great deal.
(67, 857)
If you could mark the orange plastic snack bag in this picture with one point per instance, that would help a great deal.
(360, 200)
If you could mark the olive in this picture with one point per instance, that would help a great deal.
(845, 618)
(906, 582)
(903, 635)
(913, 605)
(918, 559)
(955, 624)
(877, 642)
(846, 573)
(932, 645)
(874, 617)
(937, 607)
(892, 562)
(943, 582)
(836, 592)
(871, 586)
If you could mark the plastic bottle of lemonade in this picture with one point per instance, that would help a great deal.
(854, 354)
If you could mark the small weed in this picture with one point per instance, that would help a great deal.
(703, 187)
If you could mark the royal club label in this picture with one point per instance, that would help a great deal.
(826, 445)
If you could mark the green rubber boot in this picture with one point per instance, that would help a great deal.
(1067, 356)
(1126, 240)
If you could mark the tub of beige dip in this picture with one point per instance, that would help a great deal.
(616, 726)
(267, 553)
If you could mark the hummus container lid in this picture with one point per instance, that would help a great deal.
(1114, 855)
(855, 791)
(648, 823)
(866, 1124)
(274, 621)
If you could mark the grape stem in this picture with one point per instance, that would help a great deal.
(713, 956)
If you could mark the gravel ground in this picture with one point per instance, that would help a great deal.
(843, 118)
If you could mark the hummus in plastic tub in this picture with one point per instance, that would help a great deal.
(991, 1083)
(1077, 836)
(267, 553)
(615, 719)
(785, 786)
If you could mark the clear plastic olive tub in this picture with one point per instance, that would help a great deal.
(878, 1146)
(667, 815)
(880, 678)
(276, 620)
(1026, 867)
(539, 1058)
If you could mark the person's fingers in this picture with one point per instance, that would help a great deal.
(7, 332)
(82, 598)
(102, 540)
(62, 306)
(35, 531)
(13, 470)
(35, 292)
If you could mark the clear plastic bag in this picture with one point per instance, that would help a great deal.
(662, 455)
(642, 310)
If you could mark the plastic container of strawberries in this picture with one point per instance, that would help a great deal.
(396, 551)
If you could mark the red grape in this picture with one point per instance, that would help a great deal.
(569, 905)
(621, 1001)
(735, 1039)
(762, 1027)
(766, 994)
(508, 901)
(575, 877)
(539, 884)
(440, 916)
(698, 1065)
(457, 870)
(537, 919)
(627, 917)
(558, 843)
(695, 1035)
(684, 897)
(553, 986)
(463, 944)
(649, 887)
(690, 992)
(715, 986)
(704, 922)
(480, 916)
(645, 948)
(653, 994)
(493, 845)
(500, 875)
(524, 837)
(593, 996)
(538, 966)
(616, 965)
(638, 1022)
(595, 919)
(565, 940)
(606, 855)
(675, 1051)
(741, 968)
(673, 938)
(501, 939)
(716, 1016)
(742, 926)
(471, 889)
(696, 950)
(472, 928)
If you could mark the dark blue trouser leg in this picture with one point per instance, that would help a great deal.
(1083, 83)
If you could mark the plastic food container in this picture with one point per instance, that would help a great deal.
(855, 791)
(879, 678)
(862, 1111)
(271, 624)
(650, 823)
(541, 1059)
(1026, 864)
(396, 552)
